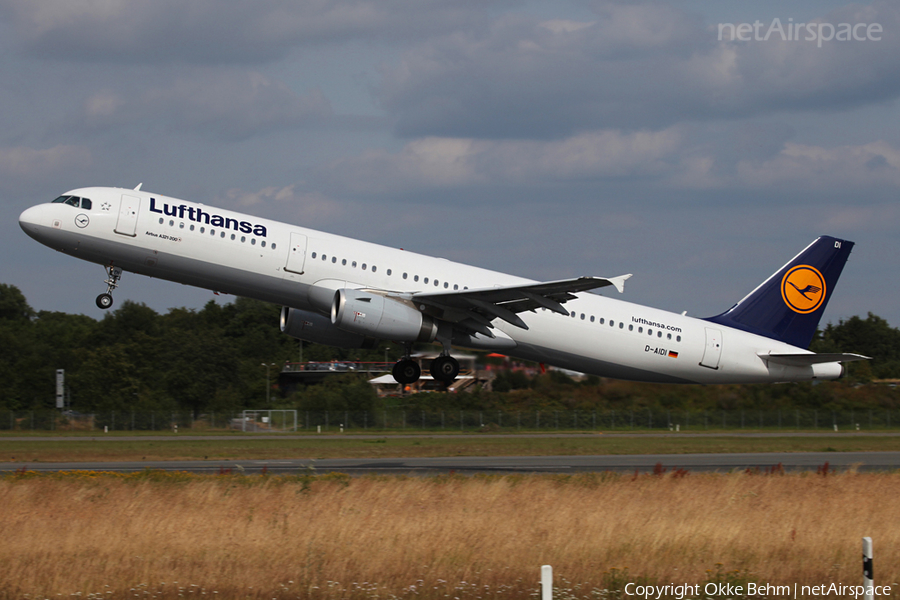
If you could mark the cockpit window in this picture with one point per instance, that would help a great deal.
(74, 201)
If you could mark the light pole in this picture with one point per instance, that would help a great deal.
(268, 387)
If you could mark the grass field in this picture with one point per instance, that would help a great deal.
(159, 535)
(102, 448)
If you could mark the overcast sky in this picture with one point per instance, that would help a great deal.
(548, 140)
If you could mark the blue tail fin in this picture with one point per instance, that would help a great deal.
(788, 305)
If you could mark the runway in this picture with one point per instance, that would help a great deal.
(642, 463)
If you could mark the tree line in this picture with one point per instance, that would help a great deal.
(213, 359)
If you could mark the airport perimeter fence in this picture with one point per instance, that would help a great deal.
(456, 421)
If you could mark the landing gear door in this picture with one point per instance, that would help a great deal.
(128, 214)
(713, 351)
(296, 254)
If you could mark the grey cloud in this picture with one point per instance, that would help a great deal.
(231, 105)
(207, 31)
(635, 66)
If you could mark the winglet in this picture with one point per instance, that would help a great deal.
(619, 282)
(138, 186)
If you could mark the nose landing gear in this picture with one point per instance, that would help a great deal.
(114, 274)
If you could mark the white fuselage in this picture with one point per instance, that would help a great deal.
(289, 265)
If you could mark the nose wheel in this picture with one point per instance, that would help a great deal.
(113, 275)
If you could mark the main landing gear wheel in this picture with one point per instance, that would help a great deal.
(104, 301)
(445, 369)
(406, 371)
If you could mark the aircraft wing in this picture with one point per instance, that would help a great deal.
(475, 309)
(805, 360)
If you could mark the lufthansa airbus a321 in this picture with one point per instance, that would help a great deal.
(349, 293)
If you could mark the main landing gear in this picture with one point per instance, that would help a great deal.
(114, 274)
(444, 368)
(406, 371)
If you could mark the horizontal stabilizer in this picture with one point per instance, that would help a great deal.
(806, 360)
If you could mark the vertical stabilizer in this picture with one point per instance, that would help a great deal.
(788, 305)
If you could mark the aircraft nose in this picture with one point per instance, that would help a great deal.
(33, 218)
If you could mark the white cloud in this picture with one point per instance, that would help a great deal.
(858, 168)
(435, 162)
(300, 206)
(648, 65)
(23, 164)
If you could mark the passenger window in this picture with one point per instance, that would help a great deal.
(192, 227)
(313, 255)
(388, 272)
(659, 334)
(324, 257)
(243, 239)
(333, 259)
(171, 223)
(344, 262)
(631, 328)
(222, 234)
(405, 275)
(353, 264)
(621, 325)
(446, 285)
(455, 287)
(203, 230)
(649, 332)
(416, 278)
(612, 323)
(263, 243)
(181, 226)
(573, 314)
(602, 320)
(374, 268)
(160, 220)
(668, 336)
(252, 241)
(273, 245)
(640, 330)
(436, 283)
(364, 266)
(232, 236)
(592, 318)
(678, 338)
(582, 316)
(425, 280)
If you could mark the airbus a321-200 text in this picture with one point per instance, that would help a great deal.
(351, 294)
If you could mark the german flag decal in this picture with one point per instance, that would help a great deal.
(673, 354)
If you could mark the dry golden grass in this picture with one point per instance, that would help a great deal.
(330, 537)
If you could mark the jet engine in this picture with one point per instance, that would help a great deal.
(313, 327)
(368, 314)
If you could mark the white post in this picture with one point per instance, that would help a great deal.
(546, 582)
(867, 569)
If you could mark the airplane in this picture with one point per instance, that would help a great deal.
(352, 294)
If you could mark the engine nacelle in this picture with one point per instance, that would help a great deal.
(372, 315)
(313, 327)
